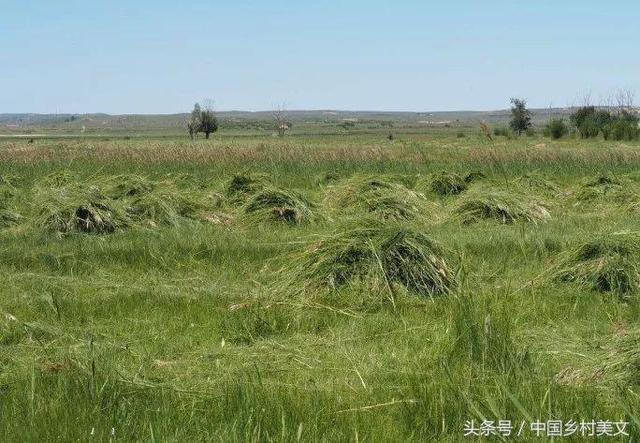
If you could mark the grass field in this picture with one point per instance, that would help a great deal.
(185, 305)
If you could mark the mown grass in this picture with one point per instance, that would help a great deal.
(184, 330)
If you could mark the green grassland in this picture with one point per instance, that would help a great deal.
(157, 289)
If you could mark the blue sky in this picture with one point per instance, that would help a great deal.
(160, 56)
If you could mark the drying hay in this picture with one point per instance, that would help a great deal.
(379, 254)
(379, 196)
(165, 205)
(474, 176)
(621, 365)
(78, 208)
(505, 207)
(57, 179)
(123, 186)
(448, 183)
(610, 263)
(241, 186)
(606, 187)
(8, 218)
(534, 182)
(280, 206)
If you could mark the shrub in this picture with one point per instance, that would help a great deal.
(556, 128)
(589, 128)
(380, 254)
(622, 129)
(505, 207)
(501, 132)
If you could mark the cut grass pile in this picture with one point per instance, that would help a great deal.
(504, 206)
(112, 203)
(609, 187)
(243, 185)
(537, 183)
(382, 197)
(610, 263)
(8, 217)
(127, 185)
(449, 183)
(380, 253)
(622, 364)
(279, 205)
(77, 208)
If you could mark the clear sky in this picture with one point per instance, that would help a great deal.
(143, 56)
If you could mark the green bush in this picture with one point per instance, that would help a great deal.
(624, 127)
(556, 128)
(589, 128)
(501, 132)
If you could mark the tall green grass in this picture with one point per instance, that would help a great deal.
(182, 331)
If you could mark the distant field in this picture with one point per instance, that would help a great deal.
(330, 285)
(257, 123)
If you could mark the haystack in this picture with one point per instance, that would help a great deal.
(448, 183)
(609, 263)
(379, 254)
(243, 185)
(379, 196)
(505, 207)
(279, 205)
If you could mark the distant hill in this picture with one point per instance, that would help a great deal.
(244, 120)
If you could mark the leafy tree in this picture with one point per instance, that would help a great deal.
(208, 122)
(520, 116)
(202, 120)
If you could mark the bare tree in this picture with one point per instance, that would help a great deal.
(624, 99)
(280, 120)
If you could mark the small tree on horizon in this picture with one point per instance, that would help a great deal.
(202, 120)
(282, 124)
(520, 116)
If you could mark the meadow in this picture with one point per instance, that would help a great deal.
(328, 287)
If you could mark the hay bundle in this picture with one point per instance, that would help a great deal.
(8, 218)
(123, 186)
(537, 183)
(379, 196)
(280, 206)
(448, 183)
(75, 208)
(610, 263)
(243, 185)
(607, 187)
(622, 362)
(474, 176)
(505, 207)
(379, 253)
(164, 205)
